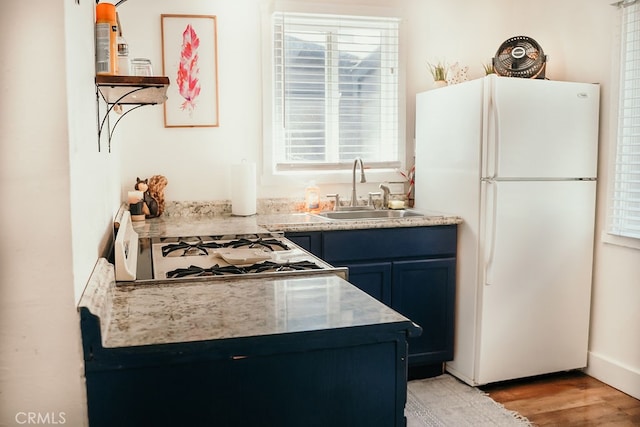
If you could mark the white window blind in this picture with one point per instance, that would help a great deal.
(625, 214)
(335, 91)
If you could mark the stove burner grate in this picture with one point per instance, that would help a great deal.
(194, 270)
(288, 266)
(200, 247)
(257, 243)
(262, 267)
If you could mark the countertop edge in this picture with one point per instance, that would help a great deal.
(301, 222)
(277, 222)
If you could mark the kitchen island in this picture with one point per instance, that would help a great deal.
(311, 351)
(266, 351)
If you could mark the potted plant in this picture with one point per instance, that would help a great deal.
(439, 73)
(488, 69)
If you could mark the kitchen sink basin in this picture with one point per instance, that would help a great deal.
(369, 214)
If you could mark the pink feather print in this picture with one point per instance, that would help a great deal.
(188, 70)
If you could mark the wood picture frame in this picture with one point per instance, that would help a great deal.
(190, 60)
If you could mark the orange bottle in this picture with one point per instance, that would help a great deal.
(106, 39)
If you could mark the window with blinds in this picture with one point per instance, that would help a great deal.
(625, 214)
(335, 91)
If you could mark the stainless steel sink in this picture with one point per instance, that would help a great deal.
(368, 214)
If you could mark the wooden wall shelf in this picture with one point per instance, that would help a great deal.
(132, 90)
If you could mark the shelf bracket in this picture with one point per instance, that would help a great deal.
(132, 92)
(111, 106)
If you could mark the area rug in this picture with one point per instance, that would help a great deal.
(445, 401)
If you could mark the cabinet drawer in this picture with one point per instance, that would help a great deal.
(389, 243)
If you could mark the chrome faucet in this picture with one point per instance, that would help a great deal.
(354, 201)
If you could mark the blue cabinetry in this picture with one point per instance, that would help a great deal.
(314, 378)
(373, 278)
(305, 351)
(311, 241)
(424, 291)
(411, 269)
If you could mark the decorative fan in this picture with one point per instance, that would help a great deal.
(520, 56)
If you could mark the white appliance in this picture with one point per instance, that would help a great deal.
(516, 159)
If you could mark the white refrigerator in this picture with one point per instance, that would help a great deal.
(517, 160)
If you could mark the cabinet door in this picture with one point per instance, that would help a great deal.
(373, 278)
(310, 241)
(424, 291)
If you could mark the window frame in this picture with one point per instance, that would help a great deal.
(613, 234)
(334, 173)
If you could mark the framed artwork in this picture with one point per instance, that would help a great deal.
(190, 61)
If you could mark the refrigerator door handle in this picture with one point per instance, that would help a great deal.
(490, 229)
(496, 130)
(492, 134)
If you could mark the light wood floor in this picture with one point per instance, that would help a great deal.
(567, 399)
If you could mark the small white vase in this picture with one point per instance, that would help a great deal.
(439, 83)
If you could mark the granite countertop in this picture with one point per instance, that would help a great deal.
(160, 313)
(277, 222)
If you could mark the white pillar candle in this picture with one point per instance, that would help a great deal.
(243, 189)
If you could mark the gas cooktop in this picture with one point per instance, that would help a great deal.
(156, 259)
(207, 256)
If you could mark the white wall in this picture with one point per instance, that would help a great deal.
(58, 198)
(38, 318)
(93, 176)
(614, 355)
(195, 160)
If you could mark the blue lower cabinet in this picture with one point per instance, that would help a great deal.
(373, 278)
(343, 377)
(412, 270)
(424, 291)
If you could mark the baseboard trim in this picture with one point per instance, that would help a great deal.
(614, 373)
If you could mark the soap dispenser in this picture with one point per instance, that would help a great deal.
(312, 197)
